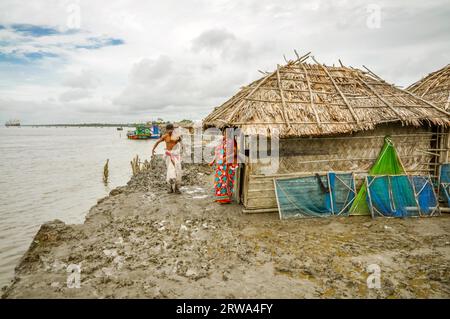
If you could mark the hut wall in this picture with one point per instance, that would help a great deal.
(342, 153)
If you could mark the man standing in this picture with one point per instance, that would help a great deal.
(172, 157)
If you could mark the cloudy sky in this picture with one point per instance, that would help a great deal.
(74, 61)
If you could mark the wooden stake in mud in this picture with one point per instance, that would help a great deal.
(138, 166)
(135, 165)
(106, 172)
(153, 162)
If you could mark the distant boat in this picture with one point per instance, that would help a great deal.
(144, 132)
(120, 128)
(12, 123)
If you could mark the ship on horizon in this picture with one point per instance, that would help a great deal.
(12, 123)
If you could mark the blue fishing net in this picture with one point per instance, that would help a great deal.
(315, 196)
(445, 182)
(401, 196)
(343, 192)
(426, 196)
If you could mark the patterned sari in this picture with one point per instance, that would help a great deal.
(225, 176)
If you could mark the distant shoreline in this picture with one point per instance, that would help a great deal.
(91, 125)
(80, 125)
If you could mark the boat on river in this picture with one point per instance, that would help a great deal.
(12, 123)
(144, 132)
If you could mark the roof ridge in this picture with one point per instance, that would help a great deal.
(302, 98)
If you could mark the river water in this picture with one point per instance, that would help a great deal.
(56, 173)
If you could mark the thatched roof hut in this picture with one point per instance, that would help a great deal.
(330, 118)
(302, 99)
(435, 87)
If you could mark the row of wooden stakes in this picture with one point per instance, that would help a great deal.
(137, 166)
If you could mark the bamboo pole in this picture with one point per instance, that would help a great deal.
(282, 96)
(311, 98)
(302, 58)
(448, 102)
(276, 197)
(389, 105)
(433, 83)
(315, 123)
(436, 75)
(414, 96)
(339, 91)
(238, 107)
(249, 210)
(372, 73)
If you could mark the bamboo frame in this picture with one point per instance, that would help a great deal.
(261, 82)
(351, 189)
(427, 102)
(277, 199)
(370, 205)
(327, 175)
(315, 123)
(259, 210)
(416, 194)
(364, 94)
(389, 105)
(415, 96)
(301, 174)
(435, 75)
(286, 118)
(433, 83)
(339, 91)
(437, 208)
(311, 97)
(448, 102)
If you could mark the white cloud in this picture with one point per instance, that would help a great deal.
(183, 58)
(213, 39)
(74, 95)
(148, 71)
(86, 79)
(223, 43)
(163, 83)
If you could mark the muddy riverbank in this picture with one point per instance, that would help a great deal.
(142, 242)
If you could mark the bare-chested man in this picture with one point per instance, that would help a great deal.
(173, 158)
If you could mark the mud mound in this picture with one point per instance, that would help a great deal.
(138, 243)
(154, 179)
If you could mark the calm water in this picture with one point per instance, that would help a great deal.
(55, 173)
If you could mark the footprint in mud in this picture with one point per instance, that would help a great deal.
(194, 192)
(200, 196)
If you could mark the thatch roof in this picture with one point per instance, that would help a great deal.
(435, 87)
(302, 99)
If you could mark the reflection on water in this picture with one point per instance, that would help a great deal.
(55, 173)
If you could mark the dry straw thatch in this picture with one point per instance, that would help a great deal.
(435, 87)
(302, 99)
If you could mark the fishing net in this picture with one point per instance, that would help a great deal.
(387, 163)
(315, 196)
(444, 180)
(401, 196)
(426, 197)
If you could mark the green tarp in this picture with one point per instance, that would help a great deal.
(387, 163)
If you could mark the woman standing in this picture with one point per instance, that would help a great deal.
(225, 161)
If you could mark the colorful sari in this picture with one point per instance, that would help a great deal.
(225, 176)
